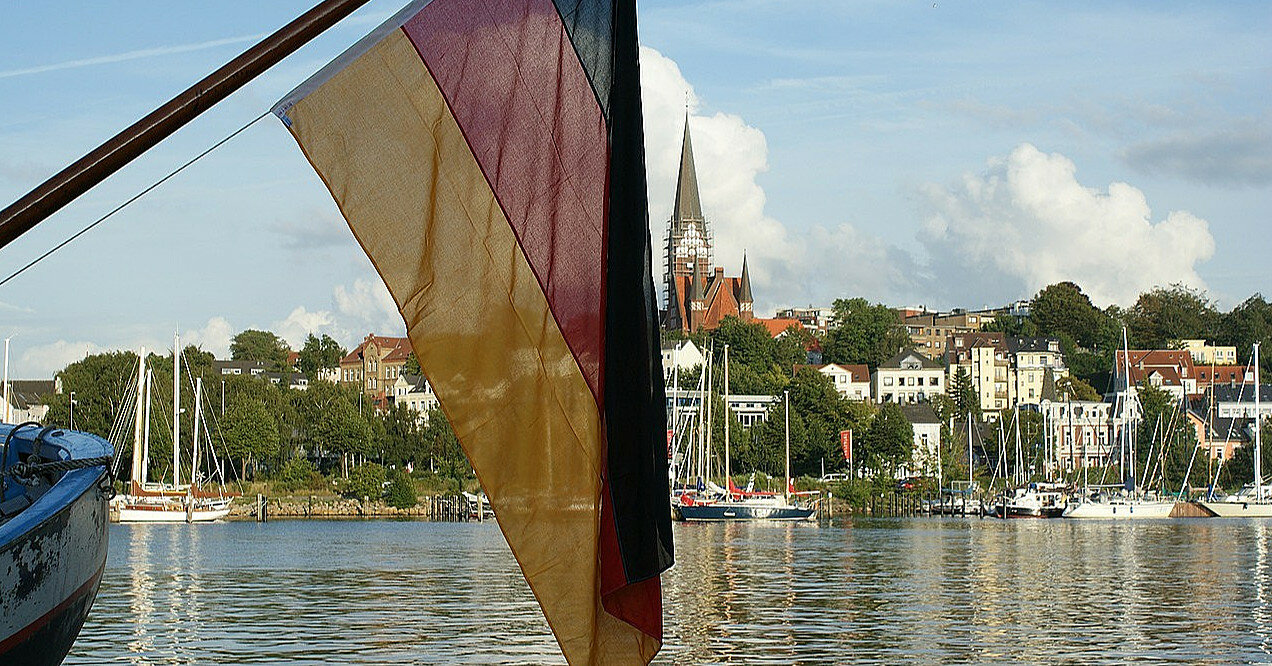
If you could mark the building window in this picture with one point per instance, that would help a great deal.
(887, 381)
(934, 381)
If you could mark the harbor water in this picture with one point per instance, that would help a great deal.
(921, 590)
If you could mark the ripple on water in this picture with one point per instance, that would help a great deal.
(865, 591)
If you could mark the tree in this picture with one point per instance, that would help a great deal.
(888, 441)
(963, 393)
(1167, 314)
(250, 432)
(412, 365)
(1012, 325)
(100, 382)
(401, 492)
(1062, 309)
(342, 430)
(445, 453)
(1239, 470)
(365, 480)
(1164, 441)
(319, 354)
(1246, 324)
(255, 345)
(864, 333)
(1073, 388)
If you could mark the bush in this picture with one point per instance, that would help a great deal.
(365, 481)
(401, 492)
(299, 473)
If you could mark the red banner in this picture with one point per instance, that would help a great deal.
(845, 442)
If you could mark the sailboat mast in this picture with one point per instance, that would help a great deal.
(5, 417)
(145, 436)
(728, 480)
(969, 451)
(194, 455)
(137, 422)
(1020, 465)
(1258, 437)
(1126, 406)
(176, 409)
(787, 414)
(710, 416)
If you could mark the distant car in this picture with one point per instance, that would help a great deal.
(838, 476)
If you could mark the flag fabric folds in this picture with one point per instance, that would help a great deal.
(488, 155)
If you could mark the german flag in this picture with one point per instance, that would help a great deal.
(489, 157)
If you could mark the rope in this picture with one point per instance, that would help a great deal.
(135, 197)
(27, 470)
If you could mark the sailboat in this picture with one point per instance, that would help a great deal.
(159, 502)
(1255, 499)
(734, 504)
(1130, 503)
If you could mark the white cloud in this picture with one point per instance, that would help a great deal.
(46, 360)
(213, 337)
(366, 307)
(729, 155)
(301, 323)
(1027, 222)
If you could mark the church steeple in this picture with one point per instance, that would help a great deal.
(744, 292)
(688, 206)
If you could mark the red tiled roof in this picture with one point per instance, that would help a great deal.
(399, 348)
(778, 326)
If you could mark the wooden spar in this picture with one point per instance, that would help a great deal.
(91, 169)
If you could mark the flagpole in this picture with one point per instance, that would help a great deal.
(68, 184)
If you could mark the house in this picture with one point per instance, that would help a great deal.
(1081, 433)
(1207, 354)
(986, 359)
(682, 354)
(907, 378)
(925, 457)
(239, 368)
(1214, 375)
(1171, 370)
(1037, 364)
(27, 400)
(1236, 401)
(1218, 437)
(749, 409)
(415, 392)
(852, 381)
(292, 380)
(813, 319)
(1006, 372)
(374, 365)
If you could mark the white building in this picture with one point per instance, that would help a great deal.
(1081, 432)
(852, 381)
(683, 354)
(416, 393)
(749, 409)
(908, 378)
(925, 457)
(1237, 401)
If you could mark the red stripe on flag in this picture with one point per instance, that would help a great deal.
(515, 85)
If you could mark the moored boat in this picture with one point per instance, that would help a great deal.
(1255, 499)
(53, 519)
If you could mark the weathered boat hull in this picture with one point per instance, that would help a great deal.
(52, 555)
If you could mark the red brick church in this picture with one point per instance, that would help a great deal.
(699, 295)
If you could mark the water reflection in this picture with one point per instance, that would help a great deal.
(865, 591)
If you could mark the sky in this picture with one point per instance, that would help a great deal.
(947, 154)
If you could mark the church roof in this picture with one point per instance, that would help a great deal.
(688, 206)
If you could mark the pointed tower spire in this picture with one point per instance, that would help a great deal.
(688, 206)
(744, 292)
(696, 287)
